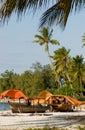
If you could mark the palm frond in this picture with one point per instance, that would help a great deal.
(7, 9)
(38, 36)
(58, 13)
(54, 42)
(44, 32)
(19, 7)
(83, 45)
(39, 42)
(52, 15)
(50, 33)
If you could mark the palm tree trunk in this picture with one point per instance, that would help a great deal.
(80, 84)
(69, 80)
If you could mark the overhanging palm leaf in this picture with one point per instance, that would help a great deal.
(57, 13)
(19, 7)
(83, 45)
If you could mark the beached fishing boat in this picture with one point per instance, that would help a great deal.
(59, 103)
(29, 106)
(63, 103)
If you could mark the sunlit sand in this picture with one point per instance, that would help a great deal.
(20, 121)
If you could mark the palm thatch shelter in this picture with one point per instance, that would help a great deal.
(45, 94)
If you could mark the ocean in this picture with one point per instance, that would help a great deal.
(4, 106)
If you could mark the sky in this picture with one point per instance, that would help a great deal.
(17, 50)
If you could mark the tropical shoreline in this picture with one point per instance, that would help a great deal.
(21, 121)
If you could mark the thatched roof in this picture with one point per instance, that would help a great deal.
(45, 94)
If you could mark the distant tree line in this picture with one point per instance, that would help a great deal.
(30, 82)
(65, 75)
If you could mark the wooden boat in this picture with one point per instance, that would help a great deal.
(61, 107)
(59, 103)
(18, 107)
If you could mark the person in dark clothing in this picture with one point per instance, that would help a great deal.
(28, 102)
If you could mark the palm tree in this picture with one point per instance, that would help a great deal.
(57, 12)
(78, 71)
(61, 64)
(45, 39)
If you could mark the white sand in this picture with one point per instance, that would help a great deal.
(19, 121)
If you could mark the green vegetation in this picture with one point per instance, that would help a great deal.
(45, 128)
(81, 128)
(55, 128)
(65, 75)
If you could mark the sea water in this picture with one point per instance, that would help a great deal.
(4, 106)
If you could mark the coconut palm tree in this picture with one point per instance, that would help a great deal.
(45, 39)
(57, 12)
(78, 71)
(61, 64)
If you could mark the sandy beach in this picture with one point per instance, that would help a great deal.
(20, 121)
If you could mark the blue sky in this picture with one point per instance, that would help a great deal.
(18, 52)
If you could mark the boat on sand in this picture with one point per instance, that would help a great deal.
(28, 106)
